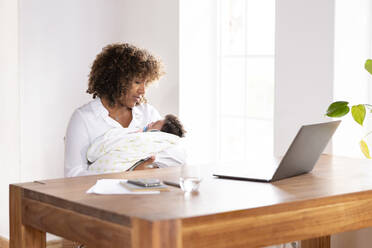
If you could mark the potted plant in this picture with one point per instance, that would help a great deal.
(358, 112)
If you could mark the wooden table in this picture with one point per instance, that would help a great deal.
(335, 197)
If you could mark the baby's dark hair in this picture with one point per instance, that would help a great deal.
(173, 125)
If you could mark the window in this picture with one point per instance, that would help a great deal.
(246, 78)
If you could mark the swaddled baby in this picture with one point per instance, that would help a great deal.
(119, 148)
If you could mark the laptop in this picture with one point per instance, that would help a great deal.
(300, 157)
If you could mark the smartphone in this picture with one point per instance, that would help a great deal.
(146, 182)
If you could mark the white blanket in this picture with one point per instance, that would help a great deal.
(119, 148)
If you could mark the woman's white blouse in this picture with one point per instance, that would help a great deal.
(93, 120)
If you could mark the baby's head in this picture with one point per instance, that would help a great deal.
(170, 124)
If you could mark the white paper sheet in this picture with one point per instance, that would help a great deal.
(113, 186)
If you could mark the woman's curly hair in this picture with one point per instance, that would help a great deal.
(173, 125)
(115, 68)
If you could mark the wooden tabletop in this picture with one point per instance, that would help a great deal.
(335, 197)
(331, 177)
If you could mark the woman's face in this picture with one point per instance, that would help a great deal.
(136, 91)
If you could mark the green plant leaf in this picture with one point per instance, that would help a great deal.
(338, 109)
(359, 113)
(364, 148)
(368, 65)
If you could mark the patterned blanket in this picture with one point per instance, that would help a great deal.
(119, 148)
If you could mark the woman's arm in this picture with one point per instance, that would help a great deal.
(76, 146)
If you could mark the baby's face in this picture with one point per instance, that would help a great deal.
(156, 125)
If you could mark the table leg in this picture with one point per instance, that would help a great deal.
(322, 242)
(22, 236)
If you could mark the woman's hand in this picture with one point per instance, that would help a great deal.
(145, 164)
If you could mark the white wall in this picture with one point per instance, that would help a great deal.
(58, 41)
(352, 82)
(9, 106)
(154, 24)
(303, 65)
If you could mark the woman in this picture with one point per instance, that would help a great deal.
(118, 80)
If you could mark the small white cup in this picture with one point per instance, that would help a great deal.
(190, 178)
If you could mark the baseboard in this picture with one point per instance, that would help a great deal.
(4, 243)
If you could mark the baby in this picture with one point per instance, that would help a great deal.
(121, 148)
(170, 124)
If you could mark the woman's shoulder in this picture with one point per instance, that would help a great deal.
(93, 107)
(90, 112)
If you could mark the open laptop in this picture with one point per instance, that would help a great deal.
(300, 157)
